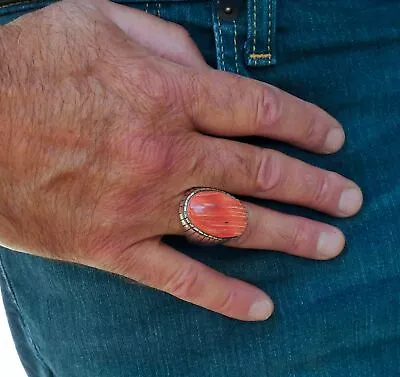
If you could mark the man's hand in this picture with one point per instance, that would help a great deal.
(108, 115)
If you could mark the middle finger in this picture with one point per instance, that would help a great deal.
(244, 169)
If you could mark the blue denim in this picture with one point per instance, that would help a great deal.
(332, 319)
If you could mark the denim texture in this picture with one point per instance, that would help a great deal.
(339, 318)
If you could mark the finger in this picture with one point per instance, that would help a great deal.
(223, 104)
(244, 169)
(271, 230)
(163, 38)
(159, 266)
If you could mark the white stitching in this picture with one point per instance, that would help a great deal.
(254, 26)
(147, 8)
(269, 28)
(220, 39)
(235, 45)
(13, 4)
(254, 56)
(159, 9)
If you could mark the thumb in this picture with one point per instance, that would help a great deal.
(157, 265)
(166, 39)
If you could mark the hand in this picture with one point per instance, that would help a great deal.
(110, 115)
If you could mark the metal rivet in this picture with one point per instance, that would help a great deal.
(228, 10)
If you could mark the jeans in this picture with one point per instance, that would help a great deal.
(335, 318)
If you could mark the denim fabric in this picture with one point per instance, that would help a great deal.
(339, 318)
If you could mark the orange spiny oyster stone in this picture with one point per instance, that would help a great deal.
(217, 214)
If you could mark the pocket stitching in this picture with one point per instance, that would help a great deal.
(13, 4)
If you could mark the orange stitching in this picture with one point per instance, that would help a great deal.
(260, 56)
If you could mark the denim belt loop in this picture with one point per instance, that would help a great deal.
(260, 44)
(230, 31)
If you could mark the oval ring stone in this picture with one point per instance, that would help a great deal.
(217, 213)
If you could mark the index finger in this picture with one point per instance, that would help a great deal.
(224, 104)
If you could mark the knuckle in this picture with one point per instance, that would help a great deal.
(313, 135)
(157, 87)
(320, 189)
(196, 96)
(184, 154)
(127, 262)
(152, 151)
(269, 173)
(182, 33)
(218, 175)
(299, 238)
(155, 92)
(225, 303)
(156, 155)
(183, 282)
(132, 262)
(268, 108)
(197, 164)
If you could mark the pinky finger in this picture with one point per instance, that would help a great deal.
(157, 265)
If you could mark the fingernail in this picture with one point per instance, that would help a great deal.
(330, 244)
(261, 310)
(334, 140)
(350, 201)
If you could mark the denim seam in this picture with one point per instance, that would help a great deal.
(269, 28)
(267, 55)
(235, 45)
(159, 10)
(220, 39)
(146, 9)
(14, 300)
(260, 43)
(254, 26)
(13, 4)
